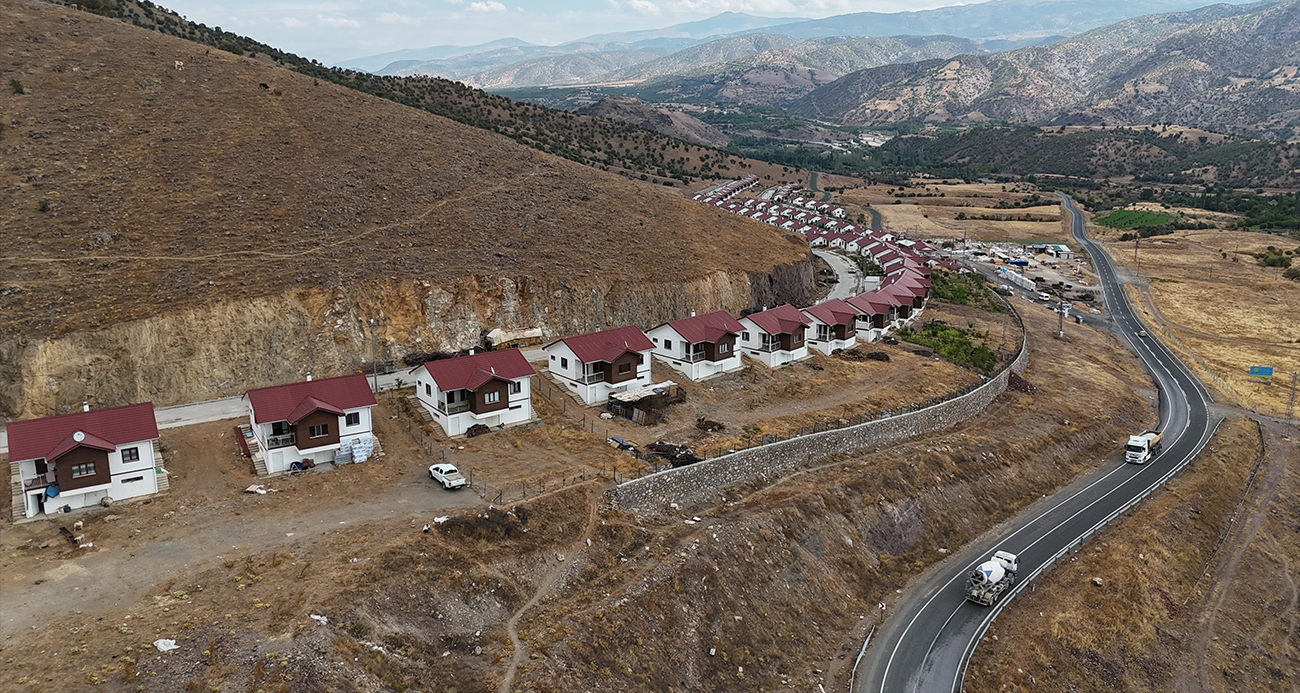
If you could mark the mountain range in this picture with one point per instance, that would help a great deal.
(509, 63)
(1228, 68)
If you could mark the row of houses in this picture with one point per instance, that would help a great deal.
(94, 456)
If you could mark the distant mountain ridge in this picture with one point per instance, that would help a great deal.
(671, 123)
(1226, 68)
(782, 75)
(995, 19)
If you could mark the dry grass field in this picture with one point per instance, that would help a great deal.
(936, 217)
(1229, 311)
(133, 187)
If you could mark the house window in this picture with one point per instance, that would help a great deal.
(552, 357)
(492, 397)
(132, 480)
(516, 387)
(354, 419)
(428, 390)
(744, 336)
(130, 455)
(824, 333)
(80, 470)
(668, 344)
(624, 368)
(564, 363)
(640, 359)
(798, 337)
(319, 431)
(723, 348)
(280, 428)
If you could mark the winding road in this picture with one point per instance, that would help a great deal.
(930, 636)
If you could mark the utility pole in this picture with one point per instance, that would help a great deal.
(596, 294)
(1061, 309)
(374, 363)
(1290, 404)
(1135, 257)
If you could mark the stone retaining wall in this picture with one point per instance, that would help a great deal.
(701, 481)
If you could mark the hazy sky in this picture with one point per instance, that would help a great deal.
(337, 30)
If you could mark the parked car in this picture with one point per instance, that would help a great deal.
(1142, 334)
(1044, 296)
(447, 475)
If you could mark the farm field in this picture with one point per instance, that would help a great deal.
(1132, 218)
(1207, 295)
(936, 217)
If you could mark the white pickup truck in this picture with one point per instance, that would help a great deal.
(447, 475)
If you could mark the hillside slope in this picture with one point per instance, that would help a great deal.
(609, 145)
(1227, 68)
(671, 123)
(137, 190)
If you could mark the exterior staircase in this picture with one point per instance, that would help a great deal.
(160, 471)
(18, 510)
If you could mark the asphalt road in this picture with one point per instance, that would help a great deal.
(846, 275)
(927, 640)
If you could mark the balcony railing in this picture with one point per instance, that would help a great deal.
(693, 357)
(453, 408)
(281, 441)
(769, 347)
(39, 480)
(590, 378)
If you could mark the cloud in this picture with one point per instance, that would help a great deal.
(338, 22)
(487, 6)
(394, 18)
(292, 22)
(643, 6)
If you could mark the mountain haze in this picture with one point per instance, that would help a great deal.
(996, 19)
(1228, 68)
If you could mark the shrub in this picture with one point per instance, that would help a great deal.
(1293, 274)
(16, 86)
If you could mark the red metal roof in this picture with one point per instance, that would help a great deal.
(104, 428)
(709, 327)
(608, 345)
(870, 303)
(783, 319)
(281, 402)
(472, 372)
(833, 312)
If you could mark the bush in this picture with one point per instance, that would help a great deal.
(1293, 274)
(16, 86)
(953, 344)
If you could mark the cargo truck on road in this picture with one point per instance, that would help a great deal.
(1141, 447)
(992, 578)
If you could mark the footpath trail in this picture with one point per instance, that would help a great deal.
(512, 626)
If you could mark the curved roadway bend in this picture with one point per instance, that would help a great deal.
(930, 636)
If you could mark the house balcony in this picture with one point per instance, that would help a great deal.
(453, 408)
(281, 441)
(693, 357)
(770, 347)
(38, 481)
(591, 378)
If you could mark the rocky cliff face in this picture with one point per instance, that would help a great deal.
(226, 348)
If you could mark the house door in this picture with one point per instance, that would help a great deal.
(35, 503)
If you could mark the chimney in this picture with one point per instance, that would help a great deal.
(692, 312)
(309, 376)
(85, 405)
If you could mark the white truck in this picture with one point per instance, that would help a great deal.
(992, 578)
(1141, 447)
(447, 475)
